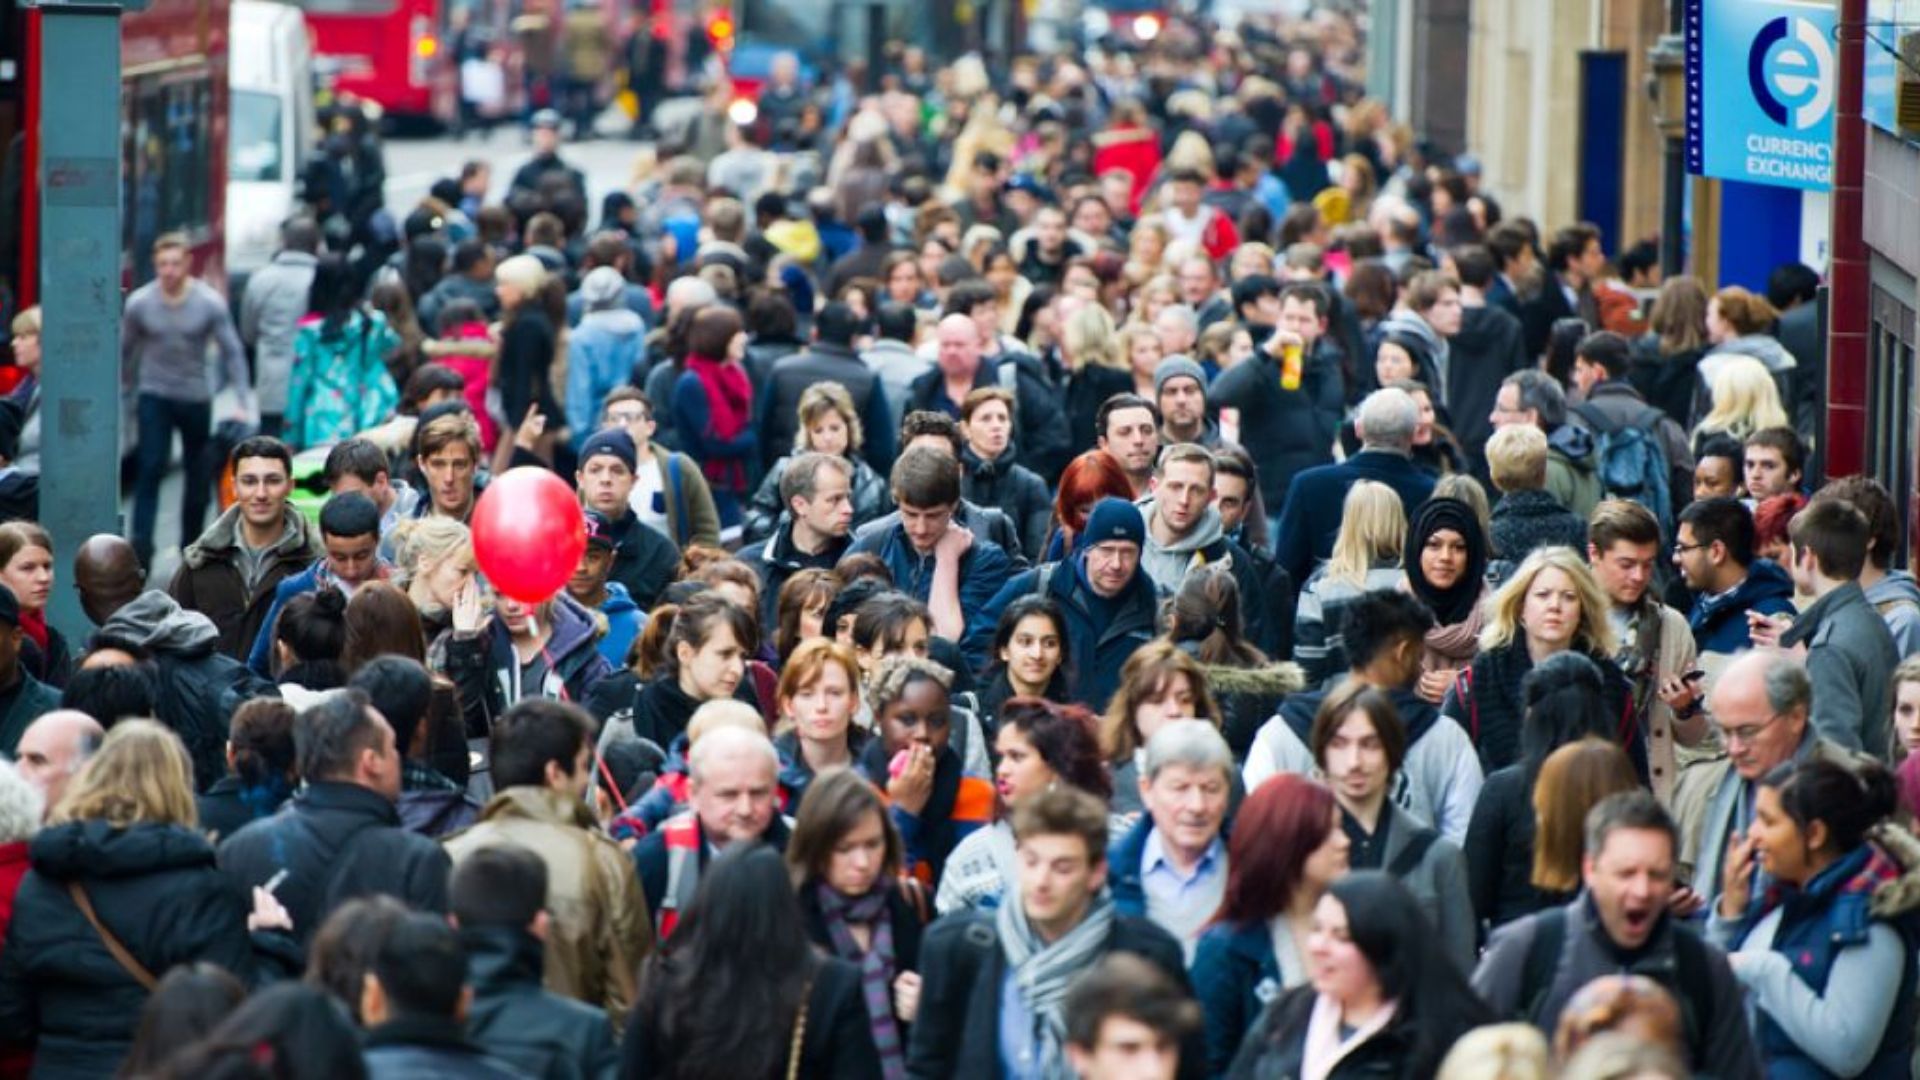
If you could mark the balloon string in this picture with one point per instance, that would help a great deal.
(600, 763)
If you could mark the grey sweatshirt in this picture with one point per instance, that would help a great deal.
(165, 344)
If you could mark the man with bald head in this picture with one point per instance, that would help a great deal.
(53, 749)
(199, 686)
(1762, 705)
(732, 793)
(1040, 436)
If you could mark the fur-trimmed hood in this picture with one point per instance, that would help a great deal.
(1276, 679)
(1899, 895)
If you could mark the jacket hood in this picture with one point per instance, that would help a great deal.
(1575, 443)
(618, 601)
(1899, 892)
(1762, 347)
(1285, 677)
(1415, 326)
(94, 849)
(1206, 532)
(1767, 580)
(501, 958)
(154, 621)
(985, 471)
(222, 538)
(1897, 585)
(620, 322)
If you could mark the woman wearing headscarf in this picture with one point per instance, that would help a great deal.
(1446, 565)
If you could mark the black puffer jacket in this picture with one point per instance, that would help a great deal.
(1011, 488)
(337, 841)
(1486, 702)
(518, 1022)
(156, 888)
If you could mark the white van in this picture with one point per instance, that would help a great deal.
(271, 129)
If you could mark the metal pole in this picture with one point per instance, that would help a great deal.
(1673, 176)
(80, 285)
(1845, 434)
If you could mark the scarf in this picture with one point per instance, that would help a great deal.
(1042, 973)
(729, 410)
(1456, 603)
(1451, 646)
(35, 624)
(877, 966)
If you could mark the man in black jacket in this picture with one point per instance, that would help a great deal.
(829, 359)
(499, 903)
(1489, 346)
(644, 560)
(415, 1005)
(994, 983)
(1287, 429)
(813, 533)
(340, 837)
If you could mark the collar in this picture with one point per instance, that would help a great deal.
(1154, 857)
(437, 1032)
(418, 776)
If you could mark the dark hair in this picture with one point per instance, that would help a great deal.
(381, 621)
(359, 458)
(422, 967)
(1787, 442)
(1343, 701)
(286, 1031)
(1870, 497)
(1722, 445)
(719, 997)
(330, 735)
(342, 949)
(1565, 699)
(1126, 986)
(113, 693)
(1836, 532)
(1122, 401)
(261, 446)
(692, 622)
(1379, 620)
(1310, 293)
(350, 514)
(504, 886)
(1563, 345)
(532, 733)
(1724, 521)
(921, 422)
(333, 295)
(924, 478)
(1850, 799)
(1628, 810)
(834, 804)
(260, 738)
(1569, 243)
(426, 381)
(1064, 811)
(1508, 241)
(1611, 351)
(770, 315)
(799, 592)
(1386, 923)
(884, 618)
(1252, 288)
(837, 324)
(895, 322)
(1473, 263)
(967, 295)
(191, 1000)
(1792, 283)
(1065, 738)
(1206, 611)
(402, 689)
(313, 627)
(1026, 607)
(712, 331)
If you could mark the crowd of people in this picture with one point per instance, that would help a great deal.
(1148, 572)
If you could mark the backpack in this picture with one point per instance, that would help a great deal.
(1692, 979)
(1630, 461)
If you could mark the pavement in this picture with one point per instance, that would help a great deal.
(412, 167)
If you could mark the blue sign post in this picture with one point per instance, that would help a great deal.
(1761, 76)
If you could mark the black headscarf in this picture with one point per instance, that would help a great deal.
(1454, 604)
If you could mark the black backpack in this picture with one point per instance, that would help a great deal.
(1691, 985)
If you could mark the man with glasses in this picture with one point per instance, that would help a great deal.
(1762, 706)
(1108, 599)
(668, 491)
(1713, 550)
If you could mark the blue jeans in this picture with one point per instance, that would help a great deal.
(159, 418)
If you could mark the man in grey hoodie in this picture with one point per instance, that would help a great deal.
(1184, 533)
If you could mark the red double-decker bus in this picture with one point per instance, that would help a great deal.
(173, 70)
(389, 52)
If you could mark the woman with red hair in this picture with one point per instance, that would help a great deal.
(1087, 479)
(1287, 847)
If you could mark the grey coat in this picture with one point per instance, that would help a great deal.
(270, 312)
(1439, 882)
(1850, 658)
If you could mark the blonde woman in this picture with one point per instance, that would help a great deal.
(436, 564)
(122, 860)
(1144, 351)
(829, 424)
(1090, 350)
(1366, 556)
(1745, 398)
(1551, 604)
(1147, 256)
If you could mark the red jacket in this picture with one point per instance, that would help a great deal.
(16, 1063)
(1135, 149)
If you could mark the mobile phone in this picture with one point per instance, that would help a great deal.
(274, 882)
(1693, 676)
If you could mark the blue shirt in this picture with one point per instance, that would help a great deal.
(1019, 1049)
(1182, 903)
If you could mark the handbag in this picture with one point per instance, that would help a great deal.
(799, 1034)
(119, 952)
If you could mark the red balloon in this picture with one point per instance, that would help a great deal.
(528, 534)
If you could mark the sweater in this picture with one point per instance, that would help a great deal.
(166, 343)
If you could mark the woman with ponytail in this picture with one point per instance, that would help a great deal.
(1826, 953)
(308, 639)
(1204, 621)
(260, 763)
(689, 654)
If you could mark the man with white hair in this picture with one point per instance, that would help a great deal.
(732, 797)
(53, 748)
(1179, 328)
(1310, 517)
(1171, 867)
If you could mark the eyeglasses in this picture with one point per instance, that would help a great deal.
(626, 418)
(1682, 549)
(1747, 733)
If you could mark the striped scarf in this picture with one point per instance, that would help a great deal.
(1042, 973)
(877, 967)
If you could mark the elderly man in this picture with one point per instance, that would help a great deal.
(1310, 514)
(731, 790)
(1763, 706)
(54, 747)
(1171, 867)
(1535, 398)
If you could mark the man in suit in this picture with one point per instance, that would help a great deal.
(1315, 499)
(1574, 261)
(994, 983)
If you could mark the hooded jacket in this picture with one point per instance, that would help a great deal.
(601, 352)
(1720, 622)
(617, 622)
(199, 687)
(484, 667)
(1013, 489)
(1490, 346)
(1573, 470)
(1850, 658)
(1207, 545)
(1897, 598)
(1248, 696)
(517, 1021)
(156, 888)
(211, 582)
(600, 931)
